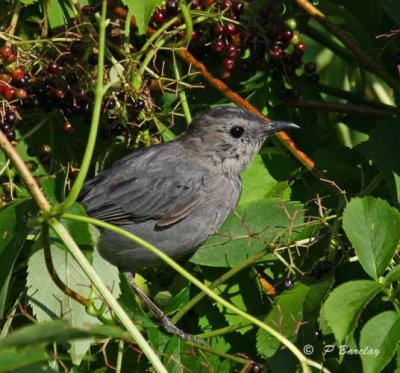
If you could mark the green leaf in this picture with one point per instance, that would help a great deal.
(57, 331)
(373, 227)
(142, 11)
(256, 182)
(345, 304)
(28, 2)
(393, 275)
(49, 302)
(379, 340)
(290, 309)
(249, 230)
(58, 13)
(243, 291)
(13, 232)
(12, 359)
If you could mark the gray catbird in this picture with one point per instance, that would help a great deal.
(175, 195)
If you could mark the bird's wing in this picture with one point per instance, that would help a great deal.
(148, 184)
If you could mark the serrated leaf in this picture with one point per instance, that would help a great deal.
(373, 227)
(379, 339)
(249, 231)
(345, 304)
(49, 302)
(256, 181)
(142, 11)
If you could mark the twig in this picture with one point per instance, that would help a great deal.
(350, 96)
(351, 44)
(336, 107)
(53, 273)
(28, 179)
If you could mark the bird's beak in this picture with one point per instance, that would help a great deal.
(275, 126)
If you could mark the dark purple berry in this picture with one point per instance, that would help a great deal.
(93, 59)
(302, 47)
(5, 127)
(227, 63)
(158, 17)
(276, 51)
(218, 29)
(218, 45)
(11, 135)
(195, 4)
(139, 105)
(111, 104)
(87, 11)
(255, 369)
(68, 127)
(226, 4)
(286, 35)
(238, 7)
(207, 3)
(310, 68)
(229, 29)
(53, 68)
(231, 50)
(10, 117)
(172, 6)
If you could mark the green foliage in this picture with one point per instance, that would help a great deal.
(142, 11)
(314, 255)
(373, 227)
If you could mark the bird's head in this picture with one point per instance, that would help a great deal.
(229, 136)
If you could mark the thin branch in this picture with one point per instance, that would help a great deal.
(336, 107)
(28, 179)
(363, 57)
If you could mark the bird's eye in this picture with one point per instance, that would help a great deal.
(237, 131)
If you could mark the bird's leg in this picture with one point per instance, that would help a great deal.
(164, 321)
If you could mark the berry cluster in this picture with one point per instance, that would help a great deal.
(62, 84)
(13, 84)
(222, 38)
